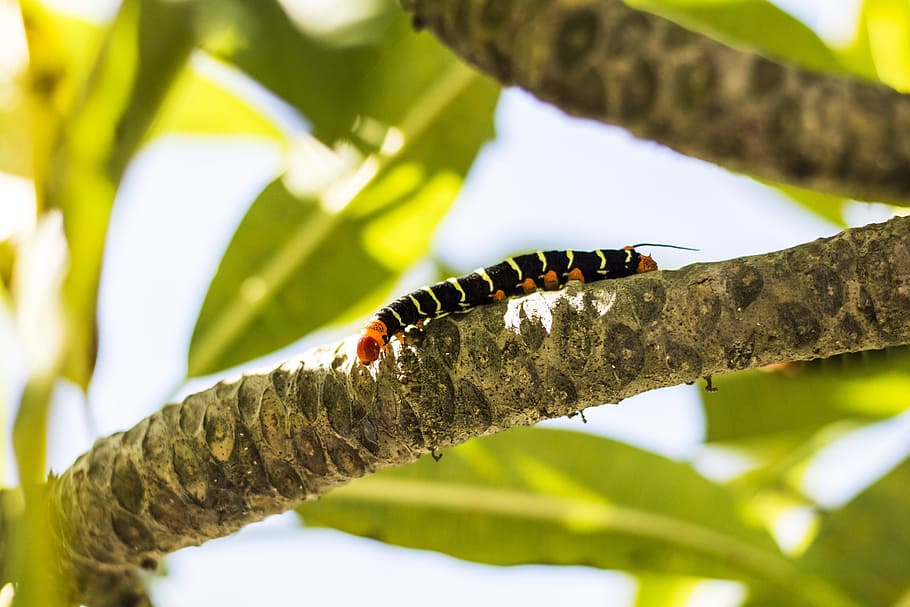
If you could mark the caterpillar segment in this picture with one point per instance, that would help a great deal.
(522, 275)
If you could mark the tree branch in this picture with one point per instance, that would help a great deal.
(258, 445)
(603, 60)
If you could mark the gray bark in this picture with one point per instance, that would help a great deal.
(260, 444)
(603, 60)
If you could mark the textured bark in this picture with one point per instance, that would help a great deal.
(259, 444)
(603, 60)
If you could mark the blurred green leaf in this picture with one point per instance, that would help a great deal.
(97, 139)
(664, 590)
(552, 496)
(805, 397)
(755, 24)
(37, 284)
(16, 136)
(826, 206)
(201, 105)
(362, 214)
(780, 460)
(865, 544)
(760, 597)
(61, 52)
(6, 321)
(326, 76)
(32, 545)
(781, 419)
(556, 497)
(7, 260)
(857, 56)
(887, 37)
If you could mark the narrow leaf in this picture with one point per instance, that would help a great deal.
(887, 23)
(827, 206)
(807, 396)
(61, 53)
(328, 240)
(326, 77)
(548, 496)
(201, 103)
(664, 591)
(97, 139)
(864, 545)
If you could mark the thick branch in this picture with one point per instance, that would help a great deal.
(603, 60)
(257, 445)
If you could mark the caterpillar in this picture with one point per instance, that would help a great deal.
(515, 276)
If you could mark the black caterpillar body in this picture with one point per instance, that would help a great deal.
(515, 276)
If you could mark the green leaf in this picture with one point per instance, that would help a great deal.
(97, 139)
(61, 53)
(780, 460)
(826, 206)
(755, 24)
(857, 56)
(201, 105)
(864, 544)
(16, 136)
(805, 397)
(664, 590)
(551, 496)
(327, 76)
(887, 28)
(761, 597)
(358, 219)
(781, 419)
(547, 496)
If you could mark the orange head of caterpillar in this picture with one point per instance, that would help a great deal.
(646, 264)
(372, 341)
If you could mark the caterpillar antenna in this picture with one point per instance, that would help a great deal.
(666, 246)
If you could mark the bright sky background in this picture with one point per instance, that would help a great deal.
(182, 200)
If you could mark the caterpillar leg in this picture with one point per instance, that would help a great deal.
(372, 341)
(550, 281)
(575, 274)
(400, 335)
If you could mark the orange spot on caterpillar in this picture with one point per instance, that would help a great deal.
(646, 264)
(575, 274)
(528, 285)
(499, 295)
(372, 341)
(550, 281)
